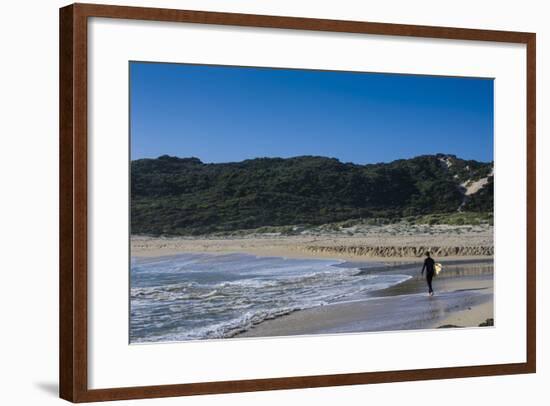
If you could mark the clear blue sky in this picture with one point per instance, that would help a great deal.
(225, 114)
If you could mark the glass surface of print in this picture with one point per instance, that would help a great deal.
(276, 202)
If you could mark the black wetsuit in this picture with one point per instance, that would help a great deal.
(430, 271)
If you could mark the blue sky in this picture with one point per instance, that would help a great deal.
(225, 114)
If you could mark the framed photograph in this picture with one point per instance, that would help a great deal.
(255, 202)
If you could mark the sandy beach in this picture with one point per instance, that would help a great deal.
(389, 243)
(461, 300)
(464, 290)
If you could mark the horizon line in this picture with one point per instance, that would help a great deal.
(167, 156)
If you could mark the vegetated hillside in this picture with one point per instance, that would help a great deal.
(179, 196)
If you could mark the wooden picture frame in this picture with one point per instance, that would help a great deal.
(73, 197)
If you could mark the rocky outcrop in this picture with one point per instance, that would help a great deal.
(403, 251)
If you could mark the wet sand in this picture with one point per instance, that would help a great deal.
(464, 298)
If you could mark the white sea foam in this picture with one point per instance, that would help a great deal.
(203, 296)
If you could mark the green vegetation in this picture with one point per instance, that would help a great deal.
(183, 196)
(454, 219)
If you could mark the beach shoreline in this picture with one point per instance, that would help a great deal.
(465, 302)
(464, 298)
(464, 291)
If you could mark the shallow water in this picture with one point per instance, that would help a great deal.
(202, 296)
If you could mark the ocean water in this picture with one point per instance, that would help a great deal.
(204, 296)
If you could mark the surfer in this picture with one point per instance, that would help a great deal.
(429, 266)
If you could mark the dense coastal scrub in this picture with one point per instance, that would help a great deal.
(184, 196)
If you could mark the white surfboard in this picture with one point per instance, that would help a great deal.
(438, 268)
